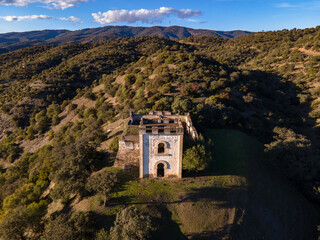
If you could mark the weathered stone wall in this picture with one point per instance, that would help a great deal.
(172, 156)
(128, 154)
(190, 129)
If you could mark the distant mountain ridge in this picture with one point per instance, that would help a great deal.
(16, 40)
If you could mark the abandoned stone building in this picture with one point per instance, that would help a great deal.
(154, 144)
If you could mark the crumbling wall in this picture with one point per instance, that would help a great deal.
(128, 154)
(191, 130)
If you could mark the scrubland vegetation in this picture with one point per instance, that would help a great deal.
(66, 102)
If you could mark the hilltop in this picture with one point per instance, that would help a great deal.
(253, 99)
(16, 40)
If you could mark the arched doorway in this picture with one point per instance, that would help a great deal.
(160, 170)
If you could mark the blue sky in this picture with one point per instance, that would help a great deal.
(251, 15)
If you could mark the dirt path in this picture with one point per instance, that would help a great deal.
(309, 52)
(5, 164)
(193, 43)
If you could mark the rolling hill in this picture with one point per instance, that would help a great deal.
(255, 100)
(16, 40)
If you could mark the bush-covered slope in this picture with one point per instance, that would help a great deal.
(16, 40)
(33, 78)
(67, 103)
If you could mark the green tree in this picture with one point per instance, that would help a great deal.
(103, 182)
(23, 222)
(74, 163)
(82, 224)
(181, 105)
(34, 214)
(14, 224)
(21, 196)
(58, 229)
(131, 224)
(293, 153)
(52, 110)
(196, 158)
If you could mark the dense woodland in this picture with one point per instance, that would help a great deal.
(265, 84)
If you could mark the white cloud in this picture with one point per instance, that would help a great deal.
(314, 5)
(71, 18)
(286, 5)
(143, 15)
(23, 18)
(57, 4)
(39, 17)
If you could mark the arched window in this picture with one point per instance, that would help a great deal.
(161, 148)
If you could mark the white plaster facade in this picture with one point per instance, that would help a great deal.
(171, 157)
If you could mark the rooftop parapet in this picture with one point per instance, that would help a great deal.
(163, 122)
(173, 128)
(160, 113)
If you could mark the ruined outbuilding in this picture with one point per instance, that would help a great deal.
(154, 144)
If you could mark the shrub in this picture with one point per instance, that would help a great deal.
(9, 150)
(316, 92)
(129, 79)
(55, 120)
(102, 235)
(213, 100)
(114, 144)
(196, 158)
(51, 134)
(88, 112)
(90, 95)
(72, 107)
(31, 132)
(42, 121)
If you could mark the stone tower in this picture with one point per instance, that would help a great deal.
(154, 144)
